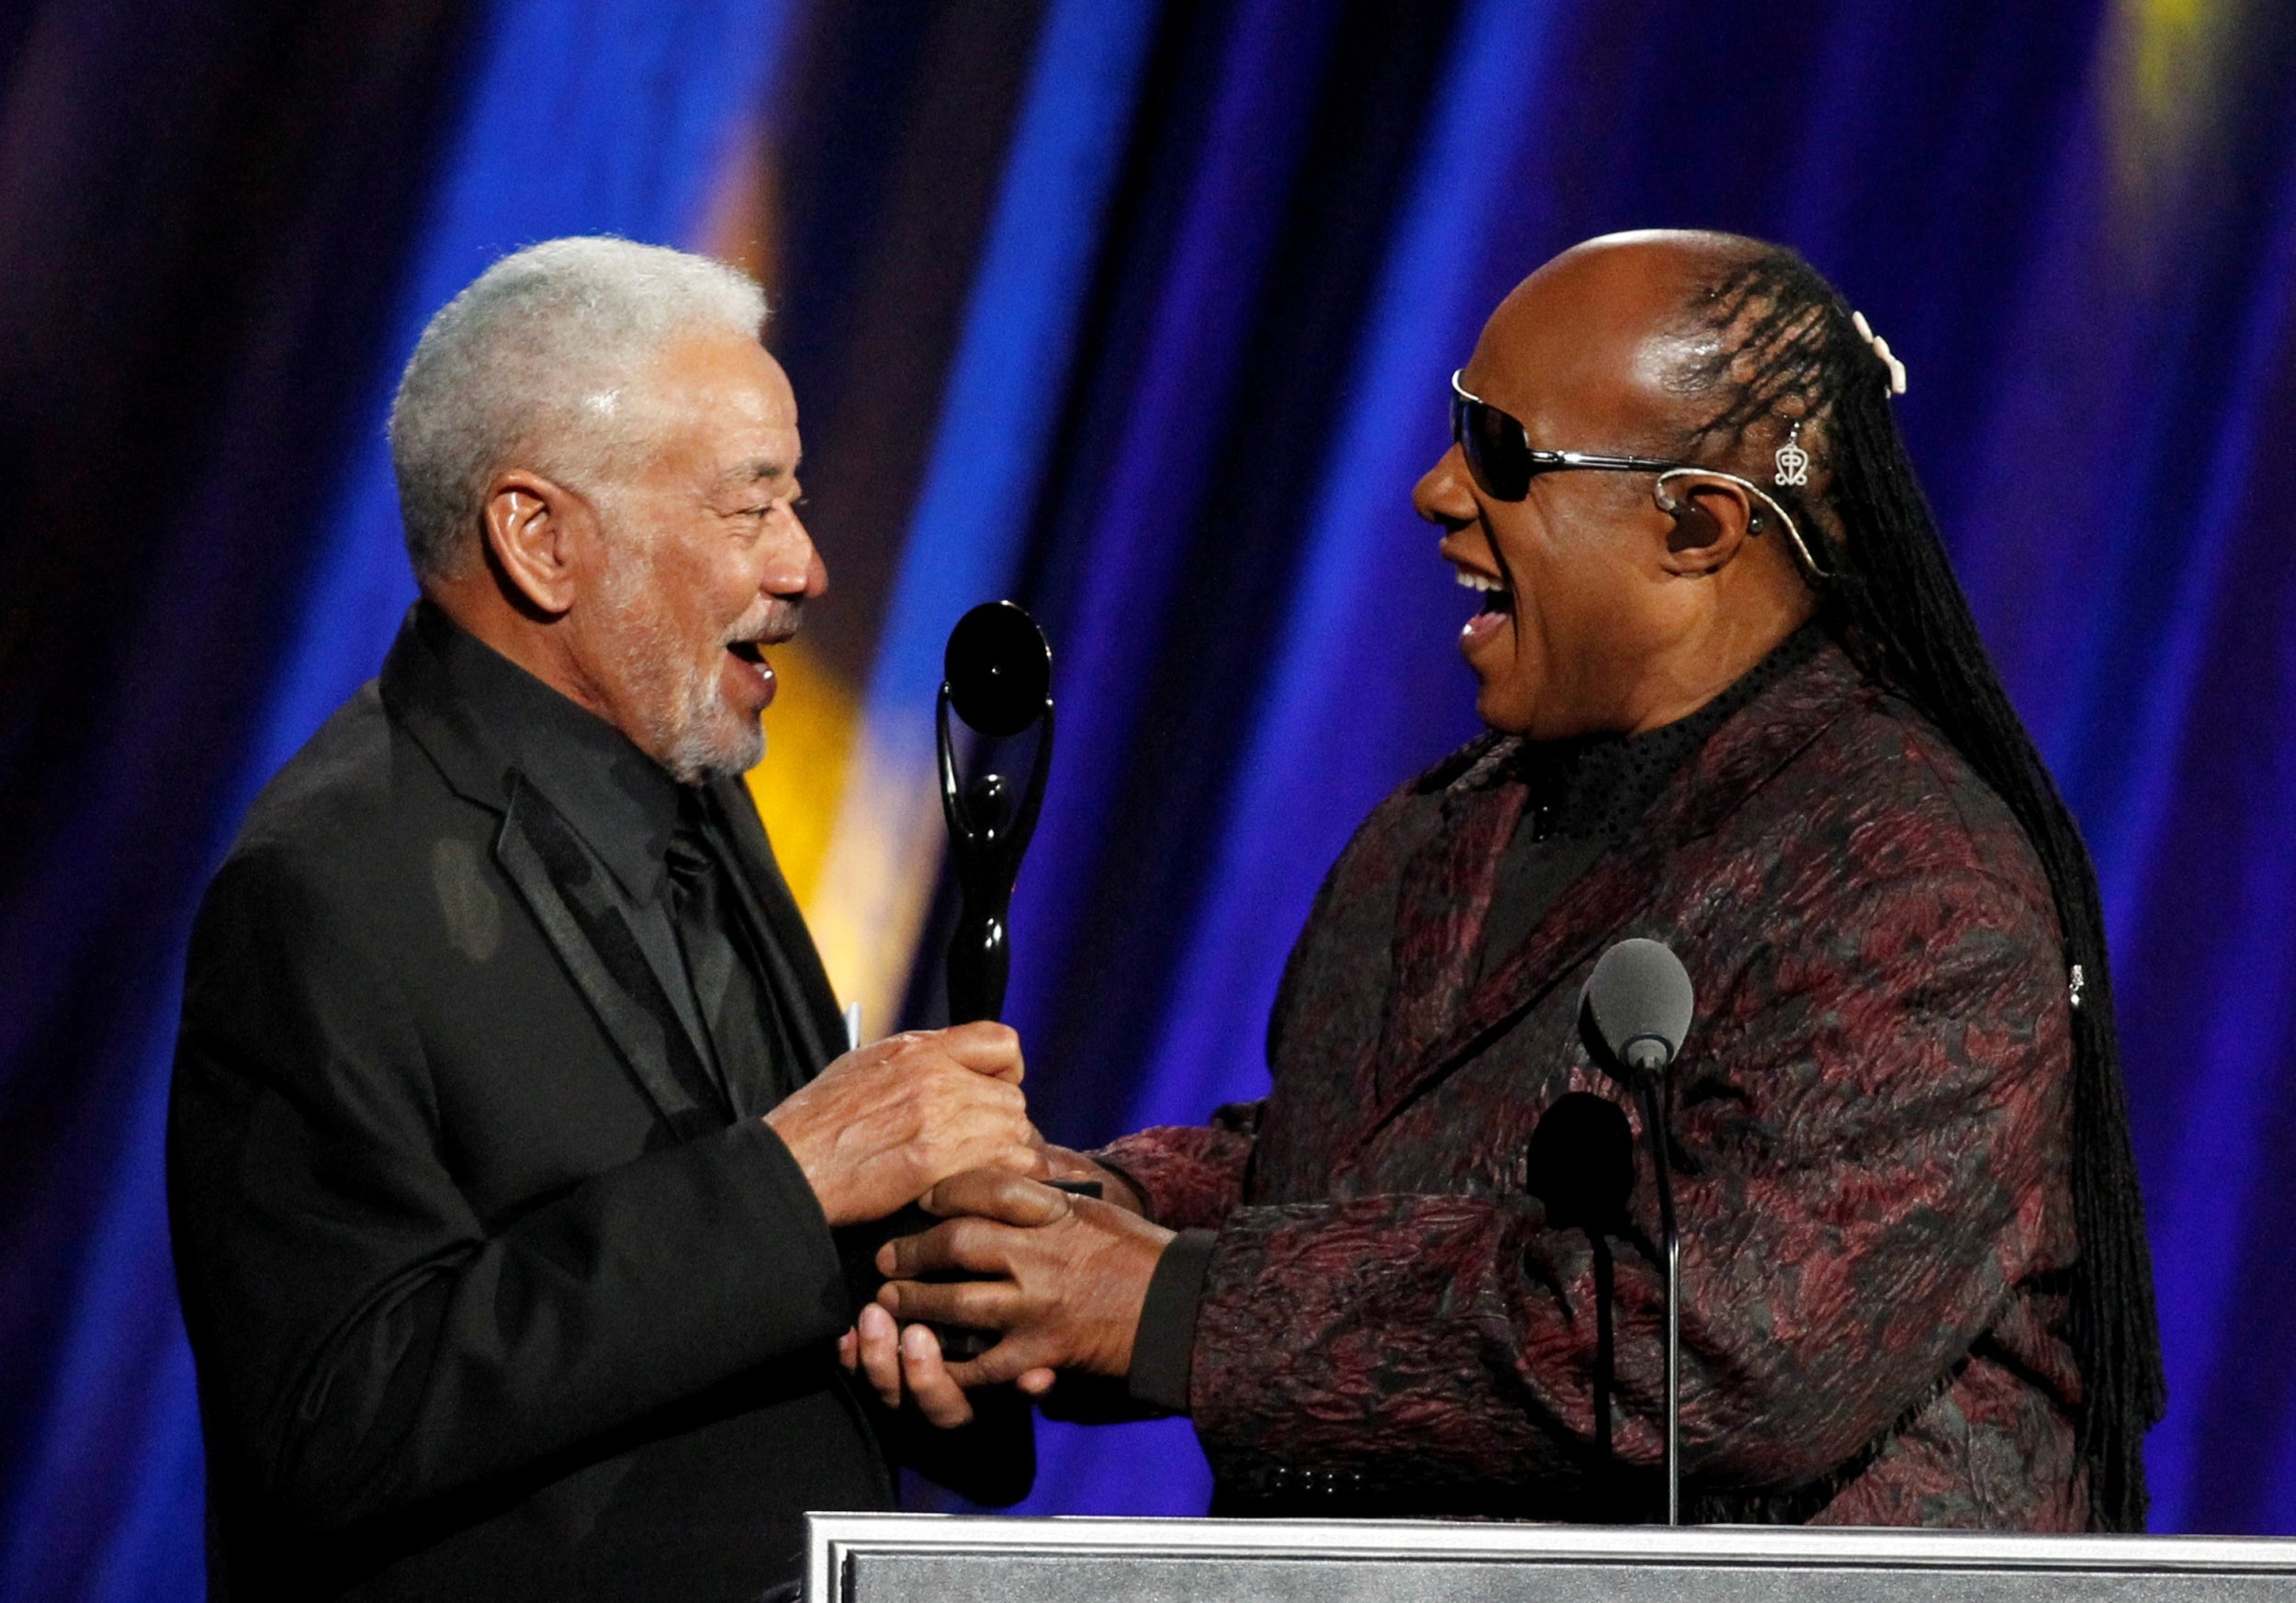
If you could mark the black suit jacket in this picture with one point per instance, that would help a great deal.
(483, 1303)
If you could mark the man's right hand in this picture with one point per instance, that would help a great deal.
(881, 1126)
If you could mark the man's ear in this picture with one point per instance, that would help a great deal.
(530, 540)
(1713, 520)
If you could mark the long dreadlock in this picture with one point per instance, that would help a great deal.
(1780, 347)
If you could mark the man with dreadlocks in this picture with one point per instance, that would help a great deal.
(1738, 703)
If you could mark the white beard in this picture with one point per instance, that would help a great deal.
(689, 726)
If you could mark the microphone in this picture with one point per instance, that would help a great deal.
(1637, 1005)
(1582, 1162)
(1640, 1001)
(1581, 1165)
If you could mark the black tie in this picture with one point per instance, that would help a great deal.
(727, 989)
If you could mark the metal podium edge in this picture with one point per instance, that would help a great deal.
(832, 1538)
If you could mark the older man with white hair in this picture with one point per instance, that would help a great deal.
(512, 1121)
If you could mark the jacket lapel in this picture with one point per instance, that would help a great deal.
(1439, 916)
(541, 865)
(534, 861)
(1601, 905)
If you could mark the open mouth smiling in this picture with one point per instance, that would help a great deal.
(754, 671)
(1494, 607)
(1494, 595)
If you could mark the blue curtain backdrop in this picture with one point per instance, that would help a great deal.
(1196, 325)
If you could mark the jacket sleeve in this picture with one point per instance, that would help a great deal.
(1867, 1138)
(365, 1339)
(1188, 1176)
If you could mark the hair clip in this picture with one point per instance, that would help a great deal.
(1896, 381)
(1794, 461)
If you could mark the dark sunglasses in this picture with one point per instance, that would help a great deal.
(1503, 461)
(1500, 455)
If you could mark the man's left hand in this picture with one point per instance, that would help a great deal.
(1070, 1274)
(903, 1368)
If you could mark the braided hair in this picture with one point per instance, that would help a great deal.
(1776, 345)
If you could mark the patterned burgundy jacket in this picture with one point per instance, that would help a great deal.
(1872, 1132)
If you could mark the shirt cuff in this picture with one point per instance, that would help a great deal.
(1165, 1340)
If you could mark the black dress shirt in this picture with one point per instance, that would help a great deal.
(661, 859)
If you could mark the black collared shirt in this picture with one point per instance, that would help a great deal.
(624, 809)
(1587, 795)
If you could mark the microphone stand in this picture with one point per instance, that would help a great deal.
(1605, 1356)
(1650, 1085)
(1638, 1006)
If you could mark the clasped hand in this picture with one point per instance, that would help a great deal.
(883, 1124)
(1062, 1280)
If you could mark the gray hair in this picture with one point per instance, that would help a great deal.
(527, 367)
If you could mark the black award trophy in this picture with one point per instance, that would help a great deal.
(997, 677)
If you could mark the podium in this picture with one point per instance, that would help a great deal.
(929, 1558)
